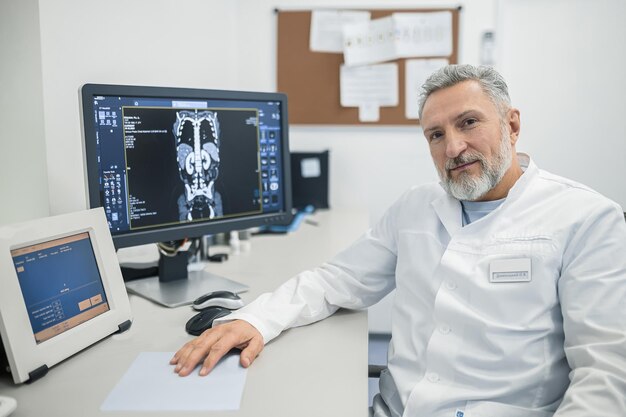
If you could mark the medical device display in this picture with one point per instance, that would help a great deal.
(62, 290)
(171, 163)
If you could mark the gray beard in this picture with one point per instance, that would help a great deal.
(471, 188)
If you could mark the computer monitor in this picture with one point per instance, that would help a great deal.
(174, 163)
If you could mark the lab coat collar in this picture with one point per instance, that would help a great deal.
(530, 172)
(448, 208)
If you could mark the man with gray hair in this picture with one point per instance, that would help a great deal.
(510, 281)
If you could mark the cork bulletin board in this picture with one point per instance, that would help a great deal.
(311, 79)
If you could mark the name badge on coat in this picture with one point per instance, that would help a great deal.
(509, 270)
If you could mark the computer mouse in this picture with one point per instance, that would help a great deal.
(225, 299)
(204, 320)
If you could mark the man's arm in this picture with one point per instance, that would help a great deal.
(356, 278)
(592, 290)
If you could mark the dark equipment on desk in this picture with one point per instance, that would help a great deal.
(218, 257)
(309, 179)
(204, 320)
(171, 268)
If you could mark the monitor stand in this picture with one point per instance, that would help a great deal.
(180, 283)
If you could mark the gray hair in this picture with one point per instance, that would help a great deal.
(489, 79)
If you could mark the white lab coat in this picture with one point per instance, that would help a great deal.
(553, 345)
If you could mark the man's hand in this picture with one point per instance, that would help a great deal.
(214, 343)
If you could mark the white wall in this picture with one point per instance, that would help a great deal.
(23, 180)
(190, 43)
(564, 61)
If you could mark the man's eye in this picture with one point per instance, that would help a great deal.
(469, 122)
(435, 136)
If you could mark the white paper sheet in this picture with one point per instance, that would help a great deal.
(400, 35)
(416, 71)
(369, 42)
(326, 28)
(423, 34)
(150, 384)
(369, 112)
(370, 84)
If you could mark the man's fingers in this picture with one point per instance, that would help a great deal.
(194, 352)
(182, 352)
(250, 352)
(217, 352)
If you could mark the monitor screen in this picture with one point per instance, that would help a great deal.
(168, 163)
(60, 283)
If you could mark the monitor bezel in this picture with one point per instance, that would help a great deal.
(190, 230)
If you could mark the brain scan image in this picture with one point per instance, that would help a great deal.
(197, 136)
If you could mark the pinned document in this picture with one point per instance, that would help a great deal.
(401, 35)
(368, 88)
(327, 28)
(369, 42)
(423, 34)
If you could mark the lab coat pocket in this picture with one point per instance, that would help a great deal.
(515, 280)
(493, 409)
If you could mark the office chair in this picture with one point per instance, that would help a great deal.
(373, 371)
(376, 406)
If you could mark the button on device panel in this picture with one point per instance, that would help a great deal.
(270, 165)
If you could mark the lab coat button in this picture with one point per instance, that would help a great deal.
(444, 329)
(432, 377)
(450, 285)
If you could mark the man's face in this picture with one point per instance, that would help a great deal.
(470, 143)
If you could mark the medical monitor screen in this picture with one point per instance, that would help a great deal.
(60, 283)
(177, 157)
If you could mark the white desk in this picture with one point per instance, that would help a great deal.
(318, 370)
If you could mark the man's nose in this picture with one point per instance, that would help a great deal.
(455, 145)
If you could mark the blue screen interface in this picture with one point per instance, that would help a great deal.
(60, 283)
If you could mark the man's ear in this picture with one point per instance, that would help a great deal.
(513, 123)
